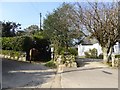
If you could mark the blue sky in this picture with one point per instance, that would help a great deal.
(26, 13)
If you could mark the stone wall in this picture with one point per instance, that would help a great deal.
(66, 60)
(20, 58)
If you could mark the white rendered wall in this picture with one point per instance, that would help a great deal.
(117, 48)
(85, 48)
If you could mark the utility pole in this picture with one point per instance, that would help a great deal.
(40, 20)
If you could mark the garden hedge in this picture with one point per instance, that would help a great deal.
(25, 43)
(20, 43)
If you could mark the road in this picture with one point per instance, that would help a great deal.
(16, 74)
(91, 74)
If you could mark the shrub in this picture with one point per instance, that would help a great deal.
(87, 54)
(21, 43)
(117, 56)
(51, 64)
(7, 43)
(73, 51)
(100, 56)
(61, 50)
(92, 53)
(25, 43)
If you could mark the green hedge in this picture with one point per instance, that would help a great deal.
(19, 43)
(25, 43)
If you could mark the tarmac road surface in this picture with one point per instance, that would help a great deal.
(16, 74)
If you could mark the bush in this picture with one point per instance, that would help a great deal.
(100, 56)
(87, 55)
(61, 50)
(51, 64)
(7, 43)
(23, 43)
(92, 53)
(73, 51)
(117, 56)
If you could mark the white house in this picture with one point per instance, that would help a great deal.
(85, 47)
(116, 49)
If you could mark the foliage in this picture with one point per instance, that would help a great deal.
(23, 43)
(73, 51)
(51, 64)
(101, 21)
(32, 29)
(12, 53)
(43, 46)
(9, 29)
(92, 53)
(61, 50)
(87, 55)
(58, 26)
(100, 56)
(20, 33)
(117, 56)
(7, 43)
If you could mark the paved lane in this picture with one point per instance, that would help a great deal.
(23, 74)
(91, 75)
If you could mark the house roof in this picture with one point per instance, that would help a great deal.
(89, 41)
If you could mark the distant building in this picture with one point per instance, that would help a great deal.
(116, 47)
(86, 45)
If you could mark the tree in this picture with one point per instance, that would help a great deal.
(20, 33)
(0, 28)
(58, 26)
(9, 29)
(32, 29)
(101, 20)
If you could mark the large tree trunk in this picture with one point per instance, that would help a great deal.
(105, 55)
(110, 53)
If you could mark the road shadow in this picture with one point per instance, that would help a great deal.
(81, 62)
(80, 69)
(23, 74)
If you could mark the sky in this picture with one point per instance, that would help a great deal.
(26, 13)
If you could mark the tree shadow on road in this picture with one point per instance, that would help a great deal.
(81, 62)
(23, 74)
(84, 69)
